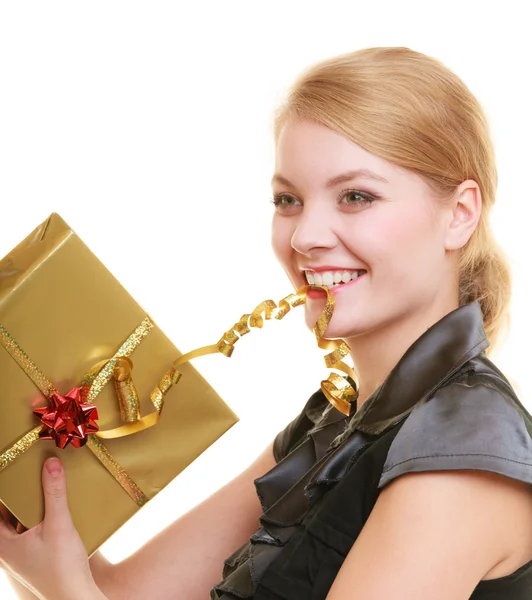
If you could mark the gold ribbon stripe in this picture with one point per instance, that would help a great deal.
(120, 474)
(20, 447)
(25, 363)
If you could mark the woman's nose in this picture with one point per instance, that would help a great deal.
(314, 230)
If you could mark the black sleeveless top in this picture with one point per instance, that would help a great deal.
(444, 406)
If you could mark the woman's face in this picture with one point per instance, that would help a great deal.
(345, 215)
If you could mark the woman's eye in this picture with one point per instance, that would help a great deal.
(285, 201)
(352, 197)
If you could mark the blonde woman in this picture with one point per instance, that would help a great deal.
(383, 185)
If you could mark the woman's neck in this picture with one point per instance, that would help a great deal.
(376, 353)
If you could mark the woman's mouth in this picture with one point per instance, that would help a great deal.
(336, 281)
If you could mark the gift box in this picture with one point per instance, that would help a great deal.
(72, 338)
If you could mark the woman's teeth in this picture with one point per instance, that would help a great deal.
(331, 278)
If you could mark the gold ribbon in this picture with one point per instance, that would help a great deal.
(340, 391)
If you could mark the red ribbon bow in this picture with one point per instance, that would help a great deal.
(67, 419)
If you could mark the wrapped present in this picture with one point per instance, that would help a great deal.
(87, 376)
(81, 358)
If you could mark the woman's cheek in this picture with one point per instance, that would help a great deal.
(282, 240)
(276, 241)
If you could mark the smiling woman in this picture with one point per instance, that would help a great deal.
(384, 181)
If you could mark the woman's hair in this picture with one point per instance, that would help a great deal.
(411, 110)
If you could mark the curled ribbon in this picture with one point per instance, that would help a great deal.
(341, 391)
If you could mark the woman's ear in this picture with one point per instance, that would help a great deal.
(466, 208)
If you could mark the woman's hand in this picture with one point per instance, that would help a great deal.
(49, 559)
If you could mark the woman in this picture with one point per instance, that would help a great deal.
(384, 181)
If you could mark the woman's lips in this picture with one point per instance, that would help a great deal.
(337, 289)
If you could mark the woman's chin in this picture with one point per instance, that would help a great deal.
(336, 330)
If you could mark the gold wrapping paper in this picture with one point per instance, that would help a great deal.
(67, 312)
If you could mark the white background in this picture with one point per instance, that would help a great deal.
(147, 126)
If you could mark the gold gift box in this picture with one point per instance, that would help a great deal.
(67, 312)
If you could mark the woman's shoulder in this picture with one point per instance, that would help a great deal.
(475, 421)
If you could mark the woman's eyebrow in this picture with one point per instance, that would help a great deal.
(342, 178)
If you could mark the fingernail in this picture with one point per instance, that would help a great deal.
(53, 466)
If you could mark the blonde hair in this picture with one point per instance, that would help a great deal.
(411, 110)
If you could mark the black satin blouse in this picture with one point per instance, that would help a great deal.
(444, 406)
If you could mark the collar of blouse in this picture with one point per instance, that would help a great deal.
(427, 365)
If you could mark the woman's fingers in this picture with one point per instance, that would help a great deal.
(50, 559)
(20, 528)
(57, 514)
(55, 502)
(6, 521)
(7, 531)
(10, 518)
(4, 513)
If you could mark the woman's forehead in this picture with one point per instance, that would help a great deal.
(315, 154)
